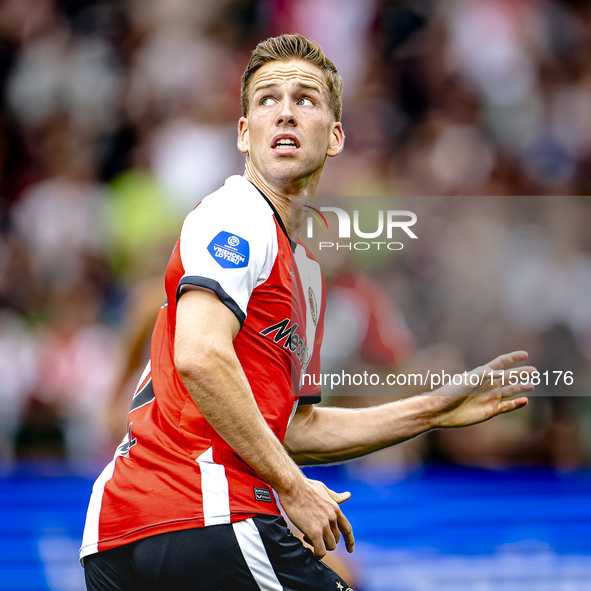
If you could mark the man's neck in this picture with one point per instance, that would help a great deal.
(288, 200)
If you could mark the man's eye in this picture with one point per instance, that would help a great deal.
(267, 101)
(305, 101)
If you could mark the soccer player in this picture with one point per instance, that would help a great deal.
(220, 420)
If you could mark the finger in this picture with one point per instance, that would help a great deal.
(503, 361)
(319, 547)
(334, 528)
(347, 532)
(515, 371)
(329, 540)
(510, 391)
(518, 372)
(510, 405)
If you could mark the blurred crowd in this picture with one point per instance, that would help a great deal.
(117, 117)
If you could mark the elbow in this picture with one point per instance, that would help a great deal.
(297, 455)
(194, 367)
(304, 457)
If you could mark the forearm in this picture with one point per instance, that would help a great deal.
(332, 435)
(219, 388)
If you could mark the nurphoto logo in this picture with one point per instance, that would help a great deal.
(387, 221)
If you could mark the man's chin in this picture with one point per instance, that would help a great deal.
(289, 170)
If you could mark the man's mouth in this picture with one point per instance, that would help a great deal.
(286, 143)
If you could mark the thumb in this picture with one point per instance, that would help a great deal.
(342, 497)
(338, 497)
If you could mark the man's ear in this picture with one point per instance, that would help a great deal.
(337, 140)
(243, 136)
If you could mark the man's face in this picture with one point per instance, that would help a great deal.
(290, 128)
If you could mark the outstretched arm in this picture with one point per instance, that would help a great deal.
(330, 435)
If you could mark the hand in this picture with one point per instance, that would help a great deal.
(459, 406)
(314, 509)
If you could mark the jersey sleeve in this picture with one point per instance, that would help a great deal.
(229, 248)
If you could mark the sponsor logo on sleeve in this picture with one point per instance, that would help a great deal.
(229, 251)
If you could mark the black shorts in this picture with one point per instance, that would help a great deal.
(256, 554)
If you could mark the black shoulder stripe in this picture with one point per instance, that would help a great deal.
(145, 395)
(310, 399)
(212, 284)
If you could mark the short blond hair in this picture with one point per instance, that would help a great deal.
(285, 48)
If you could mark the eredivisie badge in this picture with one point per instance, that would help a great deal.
(313, 305)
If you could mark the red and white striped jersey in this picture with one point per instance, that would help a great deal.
(173, 471)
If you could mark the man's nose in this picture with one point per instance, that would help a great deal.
(286, 115)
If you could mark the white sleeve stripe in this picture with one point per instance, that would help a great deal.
(217, 289)
(255, 555)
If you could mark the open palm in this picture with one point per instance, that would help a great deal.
(485, 392)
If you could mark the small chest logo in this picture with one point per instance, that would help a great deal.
(313, 305)
(262, 494)
(229, 251)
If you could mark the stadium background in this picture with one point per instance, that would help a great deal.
(116, 117)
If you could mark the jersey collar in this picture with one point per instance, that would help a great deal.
(277, 216)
